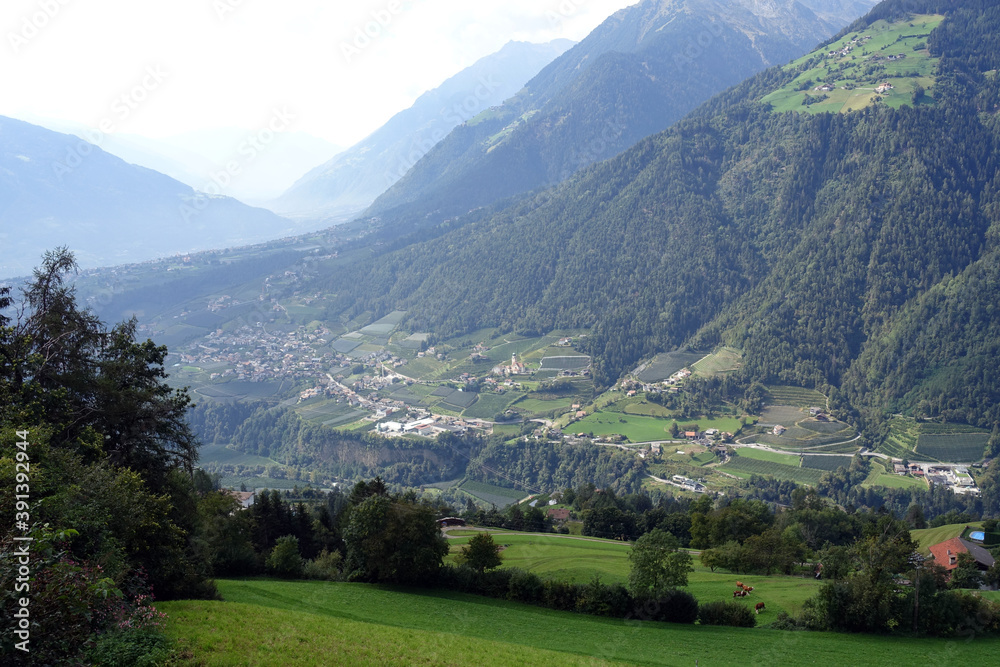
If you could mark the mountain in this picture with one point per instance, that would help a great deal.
(841, 232)
(636, 74)
(56, 189)
(352, 180)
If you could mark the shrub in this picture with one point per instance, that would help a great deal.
(722, 612)
(125, 648)
(285, 560)
(561, 595)
(326, 566)
(674, 606)
(525, 587)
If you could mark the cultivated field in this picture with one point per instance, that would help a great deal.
(952, 447)
(665, 365)
(497, 495)
(744, 467)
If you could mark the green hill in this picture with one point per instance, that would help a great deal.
(298, 623)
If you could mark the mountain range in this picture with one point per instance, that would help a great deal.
(57, 189)
(349, 182)
(639, 72)
(855, 251)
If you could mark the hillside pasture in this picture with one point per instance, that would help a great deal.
(267, 622)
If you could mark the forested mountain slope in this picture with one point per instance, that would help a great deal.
(636, 74)
(854, 249)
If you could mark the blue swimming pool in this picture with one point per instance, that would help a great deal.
(977, 535)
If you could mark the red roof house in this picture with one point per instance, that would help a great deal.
(946, 553)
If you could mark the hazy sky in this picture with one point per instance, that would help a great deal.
(340, 68)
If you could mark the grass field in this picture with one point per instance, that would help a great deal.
(762, 455)
(927, 537)
(264, 622)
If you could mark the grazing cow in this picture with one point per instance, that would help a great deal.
(739, 584)
(759, 607)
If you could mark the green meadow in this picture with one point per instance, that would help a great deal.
(269, 622)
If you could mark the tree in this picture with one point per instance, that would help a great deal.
(482, 553)
(285, 560)
(967, 574)
(657, 564)
(390, 540)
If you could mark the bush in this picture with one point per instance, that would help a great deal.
(674, 606)
(326, 566)
(561, 595)
(285, 560)
(142, 648)
(785, 622)
(601, 600)
(525, 587)
(721, 612)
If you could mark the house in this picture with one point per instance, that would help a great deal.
(778, 429)
(690, 435)
(558, 514)
(946, 553)
(884, 88)
(450, 521)
(245, 498)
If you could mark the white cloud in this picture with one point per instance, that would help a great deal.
(230, 62)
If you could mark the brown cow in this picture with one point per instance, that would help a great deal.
(759, 607)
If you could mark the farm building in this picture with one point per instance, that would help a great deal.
(451, 521)
(946, 553)
(245, 498)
